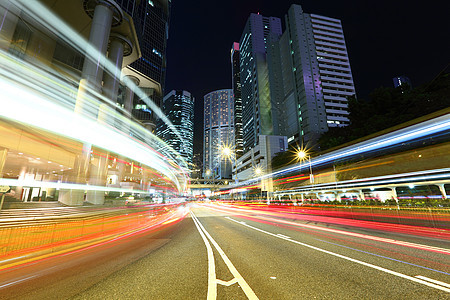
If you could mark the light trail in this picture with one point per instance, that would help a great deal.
(250, 215)
(437, 125)
(52, 22)
(41, 97)
(36, 242)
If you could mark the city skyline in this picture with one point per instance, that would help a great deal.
(378, 51)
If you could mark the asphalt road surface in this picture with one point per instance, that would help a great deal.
(217, 252)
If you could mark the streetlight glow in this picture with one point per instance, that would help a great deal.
(301, 154)
(258, 171)
(226, 151)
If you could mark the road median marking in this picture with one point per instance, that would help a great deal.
(411, 278)
(212, 280)
(434, 281)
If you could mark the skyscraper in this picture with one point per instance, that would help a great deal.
(236, 84)
(151, 20)
(315, 73)
(218, 133)
(178, 106)
(257, 114)
(403, 82)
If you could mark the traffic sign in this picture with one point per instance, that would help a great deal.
(4, 188)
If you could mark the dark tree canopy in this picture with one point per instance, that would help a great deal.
(388, 107)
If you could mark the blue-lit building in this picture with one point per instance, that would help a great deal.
(257, 107)
(310, 76)
(178, 106)
(402, 81)
(218, 133)
(236, 83)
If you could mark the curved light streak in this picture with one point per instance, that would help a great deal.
(430, 127)
(58, 27)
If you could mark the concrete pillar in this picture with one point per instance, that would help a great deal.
(98, 173)
(442, 189)
(76, 175)
(3, 155)
(92, 74)
(394, 195)
(104, 14)
(9, 14)
(361, 195)
(119, 47)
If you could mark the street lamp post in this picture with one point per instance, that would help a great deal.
(227, 153)
(302, 154)
(258, 172)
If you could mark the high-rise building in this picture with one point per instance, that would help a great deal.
(151, 21)
(315, 74)
(236, 84)
(402, 81)
(257, 107)
(178, 106)
(218, 133)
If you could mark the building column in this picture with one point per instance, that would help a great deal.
(118, 48)
(394, 195)
(361, 195)
(338, 196)
(442, 189)
(104, 14)
(9, 14)
(129, 94)
(98, 174)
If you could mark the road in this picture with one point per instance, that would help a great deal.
(224, 253)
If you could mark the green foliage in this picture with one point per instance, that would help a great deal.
(281, 159)
(388, 107)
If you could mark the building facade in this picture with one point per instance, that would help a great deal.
(218, 134)
(403, 82)
(236, 84)
(258, 162)
(51, 37)
(178, 106)
(257, 107)
(316, 77)
(151, 21)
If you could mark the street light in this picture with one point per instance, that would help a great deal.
(227, 153)
(258, 172)
(301, 155)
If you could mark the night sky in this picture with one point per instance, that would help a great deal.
(384, 39)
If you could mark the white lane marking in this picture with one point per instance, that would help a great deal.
(282, 235)
(227, 283)
(433, 280)
(350, 259)
(17, 281)
(243, 284)
(212, 286)
(354, 234)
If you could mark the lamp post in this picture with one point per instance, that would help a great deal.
(258, 172)
(301, 155)
(227, 153)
